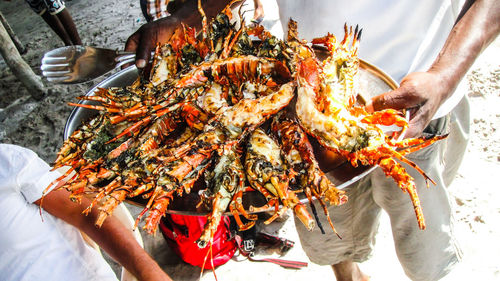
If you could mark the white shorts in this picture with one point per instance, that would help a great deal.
(424, 254)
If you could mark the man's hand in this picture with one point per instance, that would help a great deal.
(420, 92)
(424, 92)
(145, 39)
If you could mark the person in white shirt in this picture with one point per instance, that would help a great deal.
(428, 47)
(47, 244)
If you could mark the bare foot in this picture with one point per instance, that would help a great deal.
(349, 271)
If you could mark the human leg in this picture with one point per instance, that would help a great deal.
(424, 254)
(349, 271)
(40, 8)
(69, 26)
(56, 26)
(356, 222)
(61, 22)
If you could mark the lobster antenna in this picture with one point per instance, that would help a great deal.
(359, 34)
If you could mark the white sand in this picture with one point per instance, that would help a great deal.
(39, 126)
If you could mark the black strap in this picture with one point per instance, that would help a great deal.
(272, 239)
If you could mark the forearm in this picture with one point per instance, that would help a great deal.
(478, 27)
(117, 241)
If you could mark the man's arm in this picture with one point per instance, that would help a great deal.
(112, 236)
(424, 92)
(145, 39)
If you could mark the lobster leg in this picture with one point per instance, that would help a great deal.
(116, 197)
(412, 145)
(236, 208)
(406, 183)
(387, 117)
(157, 211)
(105, 191)
(96, 107)
(384, 157)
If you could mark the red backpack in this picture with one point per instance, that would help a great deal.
(182, 231)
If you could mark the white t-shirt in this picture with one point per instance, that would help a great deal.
(399, 36)
(32, 249)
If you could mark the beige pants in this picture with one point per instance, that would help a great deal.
(424, 254)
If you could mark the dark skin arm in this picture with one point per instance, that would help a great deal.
(112, 236)
(145, 39)
(421, 92)
(424, 92)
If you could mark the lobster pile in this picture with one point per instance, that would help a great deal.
(235, 115)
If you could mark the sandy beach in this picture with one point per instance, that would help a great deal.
(39, 125)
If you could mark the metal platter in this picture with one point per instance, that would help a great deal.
(372, 82)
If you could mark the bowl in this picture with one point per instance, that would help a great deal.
(372, 81)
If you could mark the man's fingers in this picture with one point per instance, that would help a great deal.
(398, 99)
(380, 102)
(416, 127)
(131, 46)
(132, 42)
(393, 99)
(140, 43)
(143, 52)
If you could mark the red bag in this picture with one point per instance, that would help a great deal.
(182, 231)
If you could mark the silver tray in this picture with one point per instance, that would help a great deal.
(372, 82)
